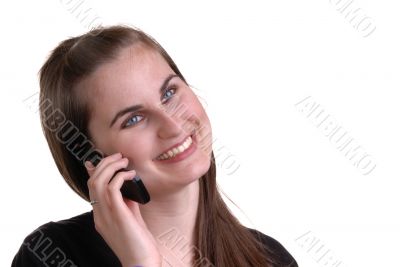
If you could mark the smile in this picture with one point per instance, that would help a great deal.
(176, 150)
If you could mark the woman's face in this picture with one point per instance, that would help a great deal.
(166, 118)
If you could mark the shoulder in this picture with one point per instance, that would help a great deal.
(275, 248)
(60, 243)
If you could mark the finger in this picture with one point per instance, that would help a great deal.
(122, 206)
(105, 161)
(100, 209)
(114, 187)
(89, 167)
(98, 182)
(102, 176)
(92, 170)
(93, 186)
(105, 176)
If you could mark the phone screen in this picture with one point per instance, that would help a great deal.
(133, 189)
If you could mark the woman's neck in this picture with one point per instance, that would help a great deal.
(172, 220)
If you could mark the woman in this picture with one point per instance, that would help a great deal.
(115, 91)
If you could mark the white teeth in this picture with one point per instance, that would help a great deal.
(187, 143)
(177, 150)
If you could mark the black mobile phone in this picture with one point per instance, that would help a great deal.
(133, 189)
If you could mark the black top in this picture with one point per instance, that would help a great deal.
(75, 242)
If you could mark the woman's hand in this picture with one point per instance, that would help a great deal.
(117, 219)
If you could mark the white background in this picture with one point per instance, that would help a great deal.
(252, 61)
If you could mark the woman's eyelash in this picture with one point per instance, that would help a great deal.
(135, 115)
(130, 118)
(170, 88)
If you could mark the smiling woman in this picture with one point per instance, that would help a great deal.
(118, 88)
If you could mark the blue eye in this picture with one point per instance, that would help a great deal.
(169, 90)
(133, 120)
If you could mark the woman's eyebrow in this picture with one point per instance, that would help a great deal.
(139, 106)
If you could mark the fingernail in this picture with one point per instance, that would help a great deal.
(88, 165)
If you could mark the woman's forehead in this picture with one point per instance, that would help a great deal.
(133, 77)
(134, 69)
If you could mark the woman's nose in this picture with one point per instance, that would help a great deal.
(169, 124)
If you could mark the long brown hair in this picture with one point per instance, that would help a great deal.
(219, 237)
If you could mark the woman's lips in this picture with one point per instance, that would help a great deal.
(176, 145)
(183, 154)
